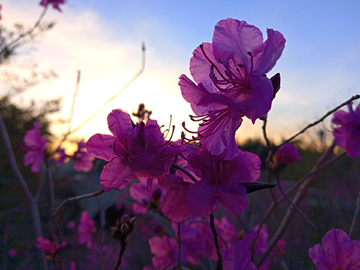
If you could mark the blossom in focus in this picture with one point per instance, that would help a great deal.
(336, 252)
(85, 229)
(239, 255)
(131, 152)
(287, 153)
(165, 250)
(221, 181)
(230, 79)
(54, 3)
(347, 130)
(83, 160)
(35, 145)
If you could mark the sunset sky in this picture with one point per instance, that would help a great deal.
(320, 66)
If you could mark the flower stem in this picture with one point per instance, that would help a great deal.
(219, 265)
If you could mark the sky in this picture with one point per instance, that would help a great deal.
(319, 66)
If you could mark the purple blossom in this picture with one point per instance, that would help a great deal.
(54, 3)
(347, 130)
(35, 145)
(221, 181)
(146, 197)
(131, 152)
(85, 229)
(48, 246)
(83, 160)
(165, 252)
(239, 256)
(336, 252)
(60, 156)
(287, 153)
(230, 82)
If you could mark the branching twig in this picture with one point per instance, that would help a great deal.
(321, 119)
(33, 203)
(21, 36)
(114, 96)
(77, 198)
(304, 187)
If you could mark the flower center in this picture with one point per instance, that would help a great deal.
(211, 123)
(235, 76)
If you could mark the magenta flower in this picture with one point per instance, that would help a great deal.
(35, 145)
(54, 3)
(146, 197)
(48, 246)
(347, 130)
(165, 250)
(336, 252)
(221, 181)
(85, 229)
(83, 160)
(239, 256)
(287, 153)
(131, 152)
(231, 82)
(60, 156)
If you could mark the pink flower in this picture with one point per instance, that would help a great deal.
(60, 156)
(46, 245)
(54, 3)
(347, 130)
(287, 153)
(239, 256)
(85, 228)
(72, 266)
(336, 252)
(131, 152)
(35, 145)
(231, 82)
(12, 252)
(221, 181)
(146, 197)
(165, 252)
(83, 161)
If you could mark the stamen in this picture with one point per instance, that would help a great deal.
(202, 49)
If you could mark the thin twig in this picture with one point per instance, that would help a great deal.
(114, 96)
(77, 198)
(295, 186)
(321, 119)
(219, 265)
(33, 203)
(184, 171)
(76, 90)
(179, 245)
(356, 214)
(302, 190)
(29, 32)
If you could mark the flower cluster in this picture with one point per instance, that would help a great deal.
(230, 82)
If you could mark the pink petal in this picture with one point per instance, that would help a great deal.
(233, 197)
(100, 146)
(120, 124)
(201, 197)
(116, 174)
